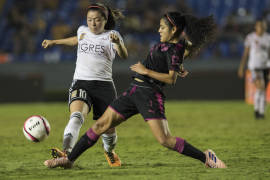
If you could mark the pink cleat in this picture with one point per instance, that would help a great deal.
(59, 162)
(212, 160)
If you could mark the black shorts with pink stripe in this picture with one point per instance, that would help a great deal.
(141, 98)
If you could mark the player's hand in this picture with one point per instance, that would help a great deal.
(114, 38)
(240, 73)
(47, 43)
(182, 72)
(139, 68)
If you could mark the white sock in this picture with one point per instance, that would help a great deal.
(72, 130)
(257, 100)
(262, 103)
(109, 141)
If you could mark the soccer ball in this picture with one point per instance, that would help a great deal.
(36, 128)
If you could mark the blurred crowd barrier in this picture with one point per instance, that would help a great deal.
(48, 82)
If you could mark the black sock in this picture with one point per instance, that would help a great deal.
(193, 152)
(82, 145)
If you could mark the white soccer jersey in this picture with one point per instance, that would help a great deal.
(259, 50)
(95, 55)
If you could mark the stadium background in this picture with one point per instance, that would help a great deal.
(30, 73)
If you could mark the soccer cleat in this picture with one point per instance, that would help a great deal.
(58, 162)
(57, 153)
(112, 159)
(261, 116)
(212, 160)
(258, 115)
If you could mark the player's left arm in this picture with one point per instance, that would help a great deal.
(169, 78)
(119, 45)
(188, 48)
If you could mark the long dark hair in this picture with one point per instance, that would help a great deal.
(111, 15)
(199, 31)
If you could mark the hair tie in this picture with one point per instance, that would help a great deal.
(171, 21)
(104, 10)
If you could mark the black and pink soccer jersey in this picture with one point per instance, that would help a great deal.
(162, 58)
(147, 97)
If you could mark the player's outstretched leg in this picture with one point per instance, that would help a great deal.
(162, 133)
(209, 158)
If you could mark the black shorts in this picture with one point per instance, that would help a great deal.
(261, 74)
(140, 98)
(97, 93)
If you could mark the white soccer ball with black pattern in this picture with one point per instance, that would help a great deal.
(36, 128)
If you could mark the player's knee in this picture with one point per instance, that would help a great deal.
(84, 114)
(261, 88)
(164, 142)
(259, 84)
(101, 125)
(168, 142)
(98, 126)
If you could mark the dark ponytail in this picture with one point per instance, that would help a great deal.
(111, 15)
(199, 31)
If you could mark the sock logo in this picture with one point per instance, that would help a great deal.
(68, 135)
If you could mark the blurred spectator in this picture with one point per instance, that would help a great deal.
(25, 23)
(60, 29)
(266, 16)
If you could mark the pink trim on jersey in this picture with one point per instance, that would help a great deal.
(132, 90)
(148, 119)
(164, 47)
(123, 117)
(160, 102)
(179, 46)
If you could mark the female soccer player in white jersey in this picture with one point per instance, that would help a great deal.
(92, 82)
(257, 49)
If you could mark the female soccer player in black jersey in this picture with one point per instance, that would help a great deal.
(145, 95)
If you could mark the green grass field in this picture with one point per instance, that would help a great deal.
(227, 127)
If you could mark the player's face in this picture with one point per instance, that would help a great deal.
(96, 22)
(260, 27)
(164, 31)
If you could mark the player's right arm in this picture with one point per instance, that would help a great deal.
(168, 78)
(243, 61)
(71, 41)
